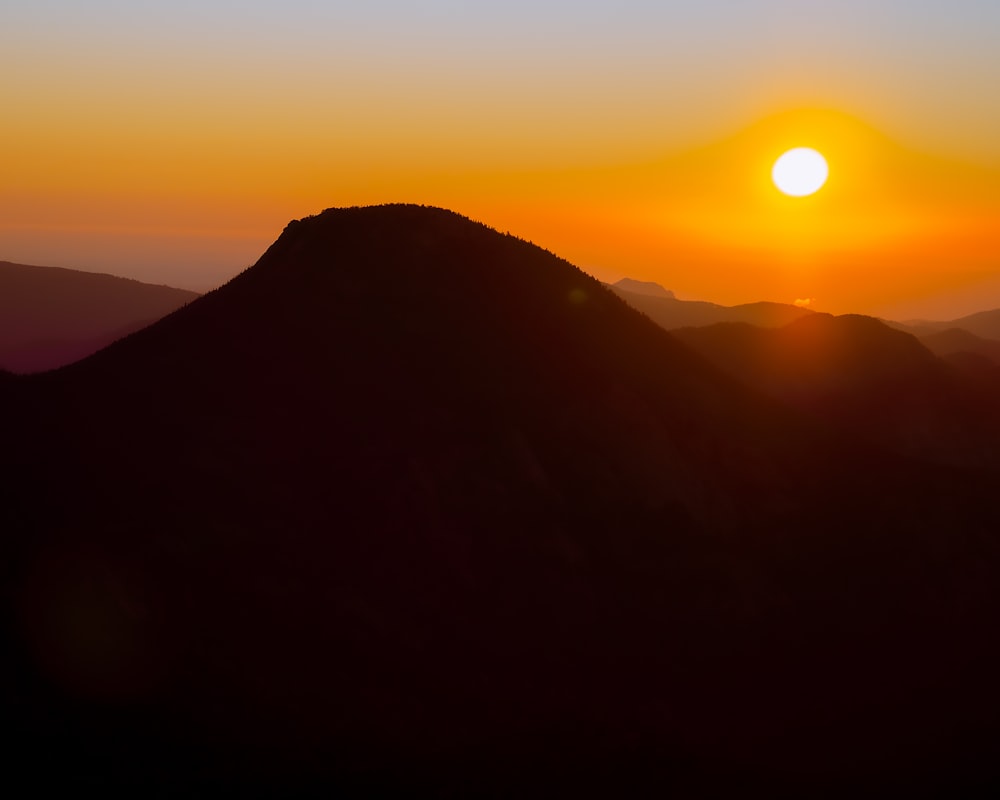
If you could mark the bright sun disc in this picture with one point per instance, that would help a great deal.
(800, 172)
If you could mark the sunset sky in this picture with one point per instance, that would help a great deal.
(171, 142)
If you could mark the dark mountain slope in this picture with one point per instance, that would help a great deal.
(412, 505)
(671, 313)
(50, 316)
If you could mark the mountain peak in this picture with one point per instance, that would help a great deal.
(648, 288)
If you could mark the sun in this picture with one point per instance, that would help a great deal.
(800, 172)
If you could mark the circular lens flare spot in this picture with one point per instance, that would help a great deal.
(800, 172)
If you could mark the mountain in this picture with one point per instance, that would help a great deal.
(411, 506)
(648, 288)
(953, 341)
(51, 316)
(864, 377)
(671, 313)
(976, 333)
(984, 324)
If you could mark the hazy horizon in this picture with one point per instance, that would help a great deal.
(946, 307)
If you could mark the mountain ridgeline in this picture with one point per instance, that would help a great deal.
(668, 312)
(412, 505)
(50, 317)
(868, 381)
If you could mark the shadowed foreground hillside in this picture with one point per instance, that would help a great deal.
(50, 316)
(413, 506)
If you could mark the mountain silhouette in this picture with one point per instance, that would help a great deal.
(51, 316)
(411, 505)
(671, 313)
(649, 288)
(952, 341)
(984, 324)
(864, 377)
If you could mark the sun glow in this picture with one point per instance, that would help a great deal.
(800, 172)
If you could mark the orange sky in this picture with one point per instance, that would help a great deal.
(173, 145)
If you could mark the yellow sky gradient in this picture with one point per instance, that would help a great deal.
(177, 157)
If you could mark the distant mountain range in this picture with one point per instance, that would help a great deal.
(414, 507)
(645, 288)
(957, 344)
(975, 334)
(666, 310)
(985, 324)
(51, 316)
(867, 379)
